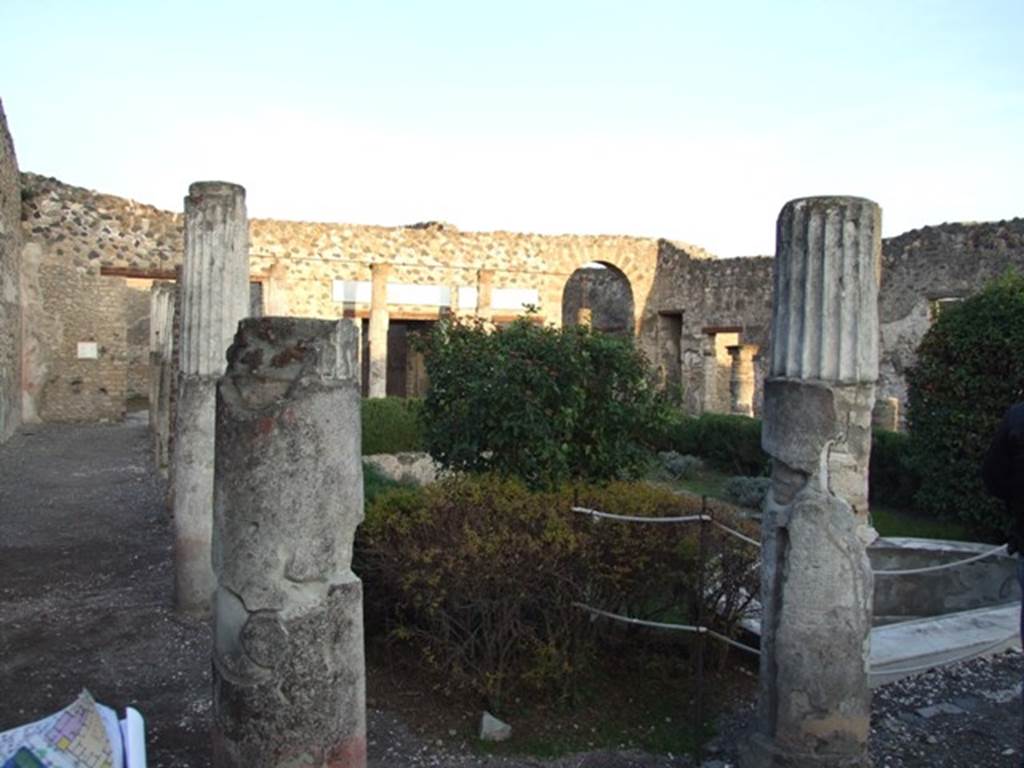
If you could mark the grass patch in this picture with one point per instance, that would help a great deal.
(889, 521)
(705, 481)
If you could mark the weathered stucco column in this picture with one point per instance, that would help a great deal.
(741, 378)
(214, 298)
(161, 350)
(379, 321)
(816, 584)
(485, 295)
(289, 679)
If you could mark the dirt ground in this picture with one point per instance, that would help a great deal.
(85, 601)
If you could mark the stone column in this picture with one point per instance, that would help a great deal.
(379, 321)
(161, 350)
(816, 584)
(709, 396)
(485, 295)
(214, 298)
(288, 671)
(741, 378)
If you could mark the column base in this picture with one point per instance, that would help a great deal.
(760, 752)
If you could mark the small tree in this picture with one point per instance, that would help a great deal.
(543, 404)
(970, 369)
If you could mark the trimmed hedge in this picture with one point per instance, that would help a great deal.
(727, 442)
(970, 369)
(482, 574)
(392, 425)
(732, 444)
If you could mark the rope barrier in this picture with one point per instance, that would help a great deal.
(743, 537)
(663, 625)
(737, 534)
(684, 519)
(943, 566)
(641, 518)
(702, 630)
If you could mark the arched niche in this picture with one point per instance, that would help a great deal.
(598, 294)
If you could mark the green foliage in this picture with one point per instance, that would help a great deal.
(483, 574)
(970, 369)
(391, 425)
(893, 479)
(747, 491)
(543, 404)
(727, 442)
(678, 466)
(375, 483)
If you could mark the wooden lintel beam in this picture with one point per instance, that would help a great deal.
(142, 274)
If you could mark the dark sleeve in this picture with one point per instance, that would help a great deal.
(996, 469)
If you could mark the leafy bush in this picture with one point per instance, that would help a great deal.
(727, 442)
(679, 466)
(391, 425)
(747, 491)
(893, 479)
(970, 369)
(543, 404)
(375, 483)
(483, 574)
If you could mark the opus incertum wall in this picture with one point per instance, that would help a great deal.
(80, 249)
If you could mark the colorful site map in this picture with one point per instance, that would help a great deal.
(75, 737)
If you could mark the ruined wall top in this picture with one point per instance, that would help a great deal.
(122, 233)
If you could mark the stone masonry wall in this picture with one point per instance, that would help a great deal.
(10, 285)
(69, 234)
(72, 235)
(925, 266)
(686, 304)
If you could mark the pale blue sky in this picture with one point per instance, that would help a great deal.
(688, 120)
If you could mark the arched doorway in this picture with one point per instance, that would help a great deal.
(599, 295)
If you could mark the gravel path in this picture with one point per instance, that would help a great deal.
(85, 601)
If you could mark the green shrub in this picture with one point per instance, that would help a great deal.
(543, 404)
(747, 491)
(970, 369)
(727, 442)
(375, 483)
(483, 574)
(391, 425)
(893, 479)
(679, 466)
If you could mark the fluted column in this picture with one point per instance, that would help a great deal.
(214, 298)
(288, 671)
(816, 583)
(741, 378)
(378, 332)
